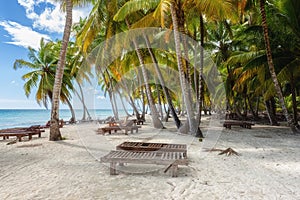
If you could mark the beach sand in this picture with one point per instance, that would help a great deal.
(268, 166)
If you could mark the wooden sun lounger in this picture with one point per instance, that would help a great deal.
(145, 146)
(244, 124)
(170, 159)
(115, 128)
(34, 127)
(20, 133)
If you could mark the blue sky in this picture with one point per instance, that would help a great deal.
(23, 23)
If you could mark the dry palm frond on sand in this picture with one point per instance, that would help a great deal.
(229, 151)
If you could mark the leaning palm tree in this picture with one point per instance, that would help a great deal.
(135, 6)
(54, 125)
(290, 15)
(272, 68)
(131, 7)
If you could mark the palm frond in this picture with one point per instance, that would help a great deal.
(134, 6)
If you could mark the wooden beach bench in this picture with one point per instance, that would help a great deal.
(170, 159)
(110, 129)
(18, 135)
(243, 124)
(147, 146)
(20, 132)
(115, 126)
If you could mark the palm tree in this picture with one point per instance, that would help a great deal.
(43, 63)
(187, 100)
(135, 6)
(290, 17)
(131, 7)
(154, 113)
(162, 82)
(80, 69)
(54, 125)
(272, 68)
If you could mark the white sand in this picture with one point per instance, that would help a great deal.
(268, 167)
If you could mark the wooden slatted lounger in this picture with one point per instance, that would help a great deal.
(170, 159)
(144, 146)
(18, 135)
(244, 124)
(21, 132)
(116, 128)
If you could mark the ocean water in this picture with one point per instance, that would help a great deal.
(10, 118)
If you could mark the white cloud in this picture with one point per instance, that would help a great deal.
(49, 18)
(22, 35)
(45, 15)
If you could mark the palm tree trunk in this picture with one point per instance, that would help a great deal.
(271, 114)
(73, 117)
(193, 125)
(85, 110)
(154, 113)
(54, 125)
(123, 104)
(272, 69)
(294, 100)
(81, 98)
(245, 113)
(158, 90)
(112, 97)
(131, 101)
(163, 84)
(200, 91)
(136, 111)
(115, 106)
(253, 112)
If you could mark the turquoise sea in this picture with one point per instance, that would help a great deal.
(26, 117)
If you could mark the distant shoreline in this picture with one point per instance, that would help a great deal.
(10, 118)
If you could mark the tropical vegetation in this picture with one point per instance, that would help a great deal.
(177, 58)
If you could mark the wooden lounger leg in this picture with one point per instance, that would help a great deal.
(19, 138)
(174, 170)
(113, 168)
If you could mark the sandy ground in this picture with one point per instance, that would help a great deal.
(268, 166)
